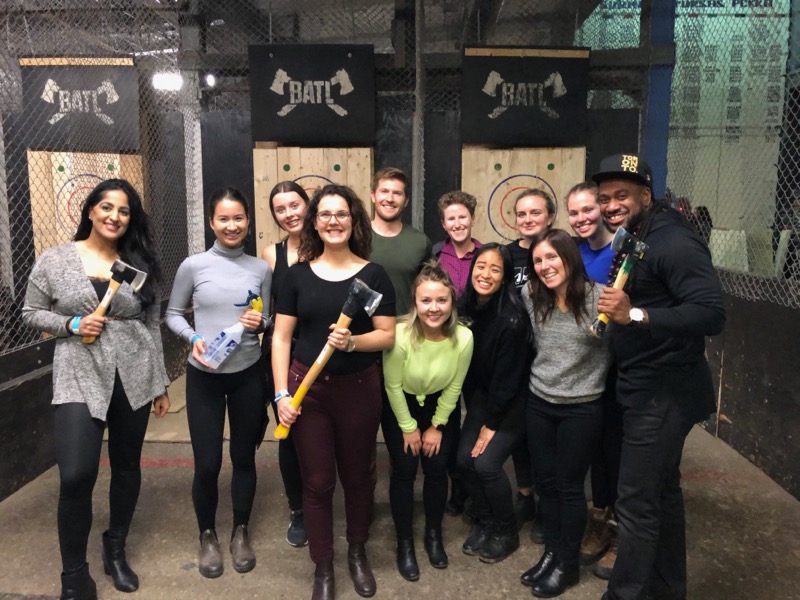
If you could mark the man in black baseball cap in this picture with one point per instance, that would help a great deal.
(659, 321)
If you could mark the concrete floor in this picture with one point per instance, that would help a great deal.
(742, 530)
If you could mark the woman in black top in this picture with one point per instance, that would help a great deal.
(287, 203)
(494, 397)
(341, 412)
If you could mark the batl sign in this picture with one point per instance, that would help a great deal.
(82, 107)
(524, 96)
(313, 95)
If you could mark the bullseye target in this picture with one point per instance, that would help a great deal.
(312, 183)
(500, 207)
(69, 200)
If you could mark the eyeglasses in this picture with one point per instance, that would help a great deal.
(326, 216)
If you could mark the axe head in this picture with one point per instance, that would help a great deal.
(342, 77)
(122, 271)
(361, 297)
(623, 241)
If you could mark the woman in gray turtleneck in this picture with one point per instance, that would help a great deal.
(218, 285)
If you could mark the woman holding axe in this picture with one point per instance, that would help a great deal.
(336, 426)
(104, 382)
(423, 375)
(221, 285)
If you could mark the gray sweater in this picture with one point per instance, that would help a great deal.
(130, 343)
(571, 364)
(217, 284)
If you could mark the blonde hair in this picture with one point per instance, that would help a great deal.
(431, 271)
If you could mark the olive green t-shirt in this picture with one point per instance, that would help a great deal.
(401, 256)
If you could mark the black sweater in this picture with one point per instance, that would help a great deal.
(500, 360)
(679, 287)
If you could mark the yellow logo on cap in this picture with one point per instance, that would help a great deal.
(630, 163)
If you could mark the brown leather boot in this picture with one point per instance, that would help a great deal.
(598, 535)
(323, 581)
(360, 571)
(244, 559)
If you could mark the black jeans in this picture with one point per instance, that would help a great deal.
(605, 460)
(652, 528)
(484, 478)
(78, 441)
(562, 440)
(207, 395)
(405, 465)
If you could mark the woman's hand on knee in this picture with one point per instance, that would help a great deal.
(431, 441)
(412, 442)
(484, 438)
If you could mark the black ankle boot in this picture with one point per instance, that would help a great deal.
(360, 571)
(561, 576)
(539, 570)
(434, 546)
(477, 537)
(407, 560)
(323, 581)
(114, 564)
(500, 545)
(78, 585)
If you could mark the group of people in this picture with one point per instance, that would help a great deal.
(503, 327)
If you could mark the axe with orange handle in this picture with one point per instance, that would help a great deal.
(359, 297)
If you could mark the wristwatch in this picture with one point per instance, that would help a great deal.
(637, 316)
(440, 427)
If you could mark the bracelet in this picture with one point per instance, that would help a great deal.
(195, 338)
(284, 393)
(75, 325)
(351, 344)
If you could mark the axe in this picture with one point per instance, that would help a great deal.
(625, 243)
(120, 271)
(359, 297)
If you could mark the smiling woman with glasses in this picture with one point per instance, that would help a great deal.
(342, 410)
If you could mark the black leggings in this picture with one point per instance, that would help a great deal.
(290, 467)
(78, 441)
(405, 465)
(207, 395)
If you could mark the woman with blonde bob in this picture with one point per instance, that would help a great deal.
(423, 374)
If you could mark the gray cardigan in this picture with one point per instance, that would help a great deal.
(130, 343)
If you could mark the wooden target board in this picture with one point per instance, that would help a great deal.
(311, 168)
(496, 176)
(59, 183)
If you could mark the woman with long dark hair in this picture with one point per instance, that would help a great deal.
(103, 383)
(288, 202)
(219, 285)
(341, 412)
(493, 394)
(423, 375)
(564, 411)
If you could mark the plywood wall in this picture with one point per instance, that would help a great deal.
(311, 168)
(495, 177)
(59, 183)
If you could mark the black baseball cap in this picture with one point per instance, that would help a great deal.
(625, 166)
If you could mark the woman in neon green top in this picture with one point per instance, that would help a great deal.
(423, 374)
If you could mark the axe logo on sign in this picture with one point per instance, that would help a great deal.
(312, 95)
(79, 101)
(311, 92)
(524, 93)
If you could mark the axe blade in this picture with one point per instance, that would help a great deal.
(622, 241)
(361, 296)
(122, 271)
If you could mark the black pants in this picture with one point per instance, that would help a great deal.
(652, 527)
(78, 441)
(562, 440)
(207, 395)
(605, 460)
(405, 465)
(484, 478)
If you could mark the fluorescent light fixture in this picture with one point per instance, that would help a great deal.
(210, 79)
(167, 81)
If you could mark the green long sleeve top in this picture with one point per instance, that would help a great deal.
(427, 369)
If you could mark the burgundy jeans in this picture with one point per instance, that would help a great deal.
(336, 432)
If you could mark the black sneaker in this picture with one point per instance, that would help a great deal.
(476, 540)
(499, 546)
(296, 534)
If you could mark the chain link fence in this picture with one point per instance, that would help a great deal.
(734, 130)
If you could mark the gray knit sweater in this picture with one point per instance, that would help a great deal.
(217, 284)
(130, 343)
(571, 364)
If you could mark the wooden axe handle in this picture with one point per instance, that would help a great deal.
(598, 327)
(101, 309)
(281, 432)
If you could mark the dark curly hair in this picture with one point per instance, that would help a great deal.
(360, 242)
(136, 246)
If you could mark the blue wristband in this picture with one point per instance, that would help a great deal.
(75, 325)
(284, 393)
(195, 338)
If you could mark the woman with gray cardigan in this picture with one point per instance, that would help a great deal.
(564, 412)
(102, 383)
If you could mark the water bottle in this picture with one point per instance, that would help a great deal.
(222, 346)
